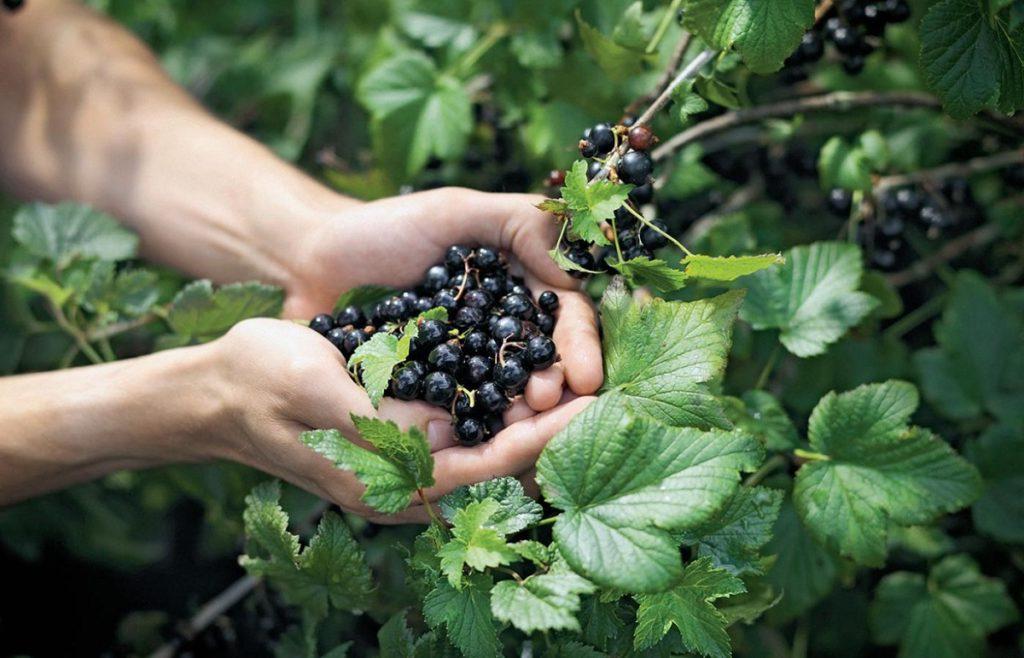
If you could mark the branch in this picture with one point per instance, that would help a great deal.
(952, 170)
(839, 101)
(950, 251)
(112, 330)
(666, 77)
(737, 200)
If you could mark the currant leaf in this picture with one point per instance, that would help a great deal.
(465, 614)
(645, 271)
(67, 231)
(734, 537)
(543, 602)
(516, 511)
(591, 202)
(728, 268)
(999, 455)
(764, 32)
(200, 314)
(475, 543)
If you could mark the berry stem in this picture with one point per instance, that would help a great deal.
(434, 519)
(654, 228)
(662, 29)
(821, 10)
(615, 237)
(497, 32)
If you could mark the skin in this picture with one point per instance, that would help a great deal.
(87, 114)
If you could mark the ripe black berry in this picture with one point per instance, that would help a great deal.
(468, 317)
(487, 259)
(424, 304)
(507, 328)
(476, 370)
(445, 357)
(854, 64)
(337, 337)
(512, 374)
(583, 258)
(475, 342)
(464, 406)
(909, 200)
(461, 281)
(439, 389)
(446, 300)
(839, 202)
(587, 148)
(495, 285)
(351, 315)
(593, 169)
(469, 431)
(518, 306)
(545, 323)
(431, 333)
(602, 137)
(635, 167)
(406, 383)
(480, 299)
(417, 367)
(641, 194)
(490, 397)
(540, 351)
(652, 239)
(548, 301)
(436, 279)
(811, 47)
(455, 258)
(353, 339)
(896, 11)
(322, 323)
(394, 309)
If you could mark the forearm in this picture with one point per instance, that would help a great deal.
(87, 114)
(61, 428)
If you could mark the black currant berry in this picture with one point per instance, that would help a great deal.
(350, 315)
(417, 367)
(587, 148)
(476, 370)
(406, 383)
(469, 431)
(493, 423)
(464, 406)
(839, 202)
(847, 40)
(439, 389)
(548, 301)
(436, 279)
(854, 64)
(445, 357)
(602, 138)
(491, 399)
(322, 323)
(493, 284)
(518, 306)
(446, 299)
(811, 47)
(635, 168)
(455, 258)
(424, 304)
(468, 317)
(641, 194)
(480, 299)
(652, 239)
(395, 309)
(431, 333)
(896, 11)
(353, 339)
(487, 260)
(475, 343)
(507, 328)
(909, 200)
(641, 138)
(461, 281)
(583, 258)
(932, 215)
(541, 352)
(593, 169)
(337, 337)
(512, 374)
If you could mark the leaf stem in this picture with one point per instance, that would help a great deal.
(495, 34)
(915, 318)
(434, 518)
(654, 228)
(766, 371)
(548, 521)
(767, 468)
(662, 29)
(808, 455)
(76, 334)
(618, 249)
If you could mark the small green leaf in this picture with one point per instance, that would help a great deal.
(877, 471)
(68, 231)
(564, 263)
(843, 165)
(591, 203)
(466, 614)
(666, 357)
(376, 359)
(688, 607)
(617, 61)
(803, 570)
(722, 268)
(946, 615)
(475, 543)
(542, 602)
(645, 271)
(999, 455)
(733, 538)
(813, 299)
(516, 511)
(198, 313)
(625, 483)
(760, 414)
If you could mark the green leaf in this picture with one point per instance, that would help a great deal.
(813, 299)
(401, 465)
(688, 102)
(764, 32)
(591, 203)
(376, 359)
(722, 268)
(734, 537)
(645, 271)
(68, 231)
(362, 296)
(395, 640)
(542, 602)
(625, 483)
(474, 542)
(803, 570)
(466, 614)
(970, 58)
(635, 29)
(876, 471)
(999, 455)
(761, 415)
(667, 358)
(946, 616)
(977, 366)
(331, 571)
(417, 111)
(516, 511)
(200, 314)
(843, 165)
(564, 263)
(536, 50)
(688, 606)
(617, 61)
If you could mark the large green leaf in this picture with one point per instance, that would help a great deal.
(764, 32)
(999, 455)
(734, 537)
(873, 470)
(813, 299)
(466, 614)
(625, 483)
(198, 313)
(666, 358)
(542, 602)
(67, 231)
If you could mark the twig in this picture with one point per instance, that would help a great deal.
(76, 334)
(953, 169)
(821, 10)
(839, 101)
(738, 199)
(950, 251)
(666, 20)
(111, 330)
(666, 77)
(213, 608)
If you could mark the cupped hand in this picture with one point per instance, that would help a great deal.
(393, 242)
(278, 379)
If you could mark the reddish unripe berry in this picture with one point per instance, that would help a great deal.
(641, 138)
(556, 178)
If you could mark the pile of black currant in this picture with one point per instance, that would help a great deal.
(854, 27)
(635, 239)
(937, 210)
(477, 361)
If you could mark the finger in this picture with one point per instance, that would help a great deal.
(545, 388)
(416, 513)
(519, 410)
(579, 343)
(512, 451)
(434, 422)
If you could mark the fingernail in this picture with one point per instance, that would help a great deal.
(439, 433)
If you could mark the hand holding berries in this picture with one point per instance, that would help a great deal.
(474, 363)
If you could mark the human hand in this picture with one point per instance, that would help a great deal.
(393, 242)
(276, 380)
